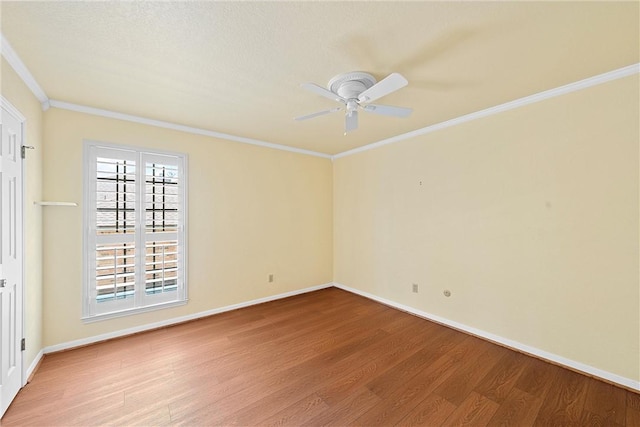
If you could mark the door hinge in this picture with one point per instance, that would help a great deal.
(23, 344)
(23, 150)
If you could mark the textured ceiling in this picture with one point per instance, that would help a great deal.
(235, 67)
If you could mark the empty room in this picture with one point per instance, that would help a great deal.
(320, 213)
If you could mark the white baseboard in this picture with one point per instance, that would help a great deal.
(553, 358)
(31, 369)
(123, 332)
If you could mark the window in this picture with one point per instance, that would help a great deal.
(134, 225)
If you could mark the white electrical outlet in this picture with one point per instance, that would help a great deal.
(414, 288)
(271, 278)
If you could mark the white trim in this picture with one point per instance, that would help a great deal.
(34, 365)
(132, 311)
(181, 128)
(45, 203)
(531, 99)
(16, 63)
(572, 364)
(23, 190)
(175, 320)
(7, 105)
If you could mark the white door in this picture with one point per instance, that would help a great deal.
(11, 290)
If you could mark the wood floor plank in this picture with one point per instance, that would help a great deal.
(431, 411)
(441, 343)
(632, 416)
(324, 358)
(363, 367)
(476, 410)
(347, 410)
(268, 387)
(297, 414)
(502, 377)
(481, 359)
(309, 375)
(536, 377)
(605, 404)
(404, 399)
(84, 410)
(564, 401)
(518, 408)
(156, 414)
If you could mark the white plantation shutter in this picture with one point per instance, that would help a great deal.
(162, 224)
(135, 203)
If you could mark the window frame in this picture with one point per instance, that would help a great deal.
(142, 301)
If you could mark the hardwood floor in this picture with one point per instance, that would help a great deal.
(324, 358)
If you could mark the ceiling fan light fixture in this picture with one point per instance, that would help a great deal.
(352, 105)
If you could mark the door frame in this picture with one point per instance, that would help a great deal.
(4, 103)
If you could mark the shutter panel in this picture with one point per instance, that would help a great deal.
(162, 193)
(115, 227)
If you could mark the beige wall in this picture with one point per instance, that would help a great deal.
(252, 211)
(529, 217)
(17, 93)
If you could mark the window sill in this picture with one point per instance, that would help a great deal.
(132, 311)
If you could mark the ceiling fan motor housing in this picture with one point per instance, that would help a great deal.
(350, 85)
(356, 90)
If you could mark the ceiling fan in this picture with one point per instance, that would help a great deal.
(355, 91)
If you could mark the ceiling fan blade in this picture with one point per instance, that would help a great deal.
(391, 83)
(351, 122)
(388, 110)
(318, 90)
(319, 113)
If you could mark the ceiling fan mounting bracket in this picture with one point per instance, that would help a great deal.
(350, 85)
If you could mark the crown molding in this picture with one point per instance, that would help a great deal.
(182, 128)
(527, 100)
(16, 63)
